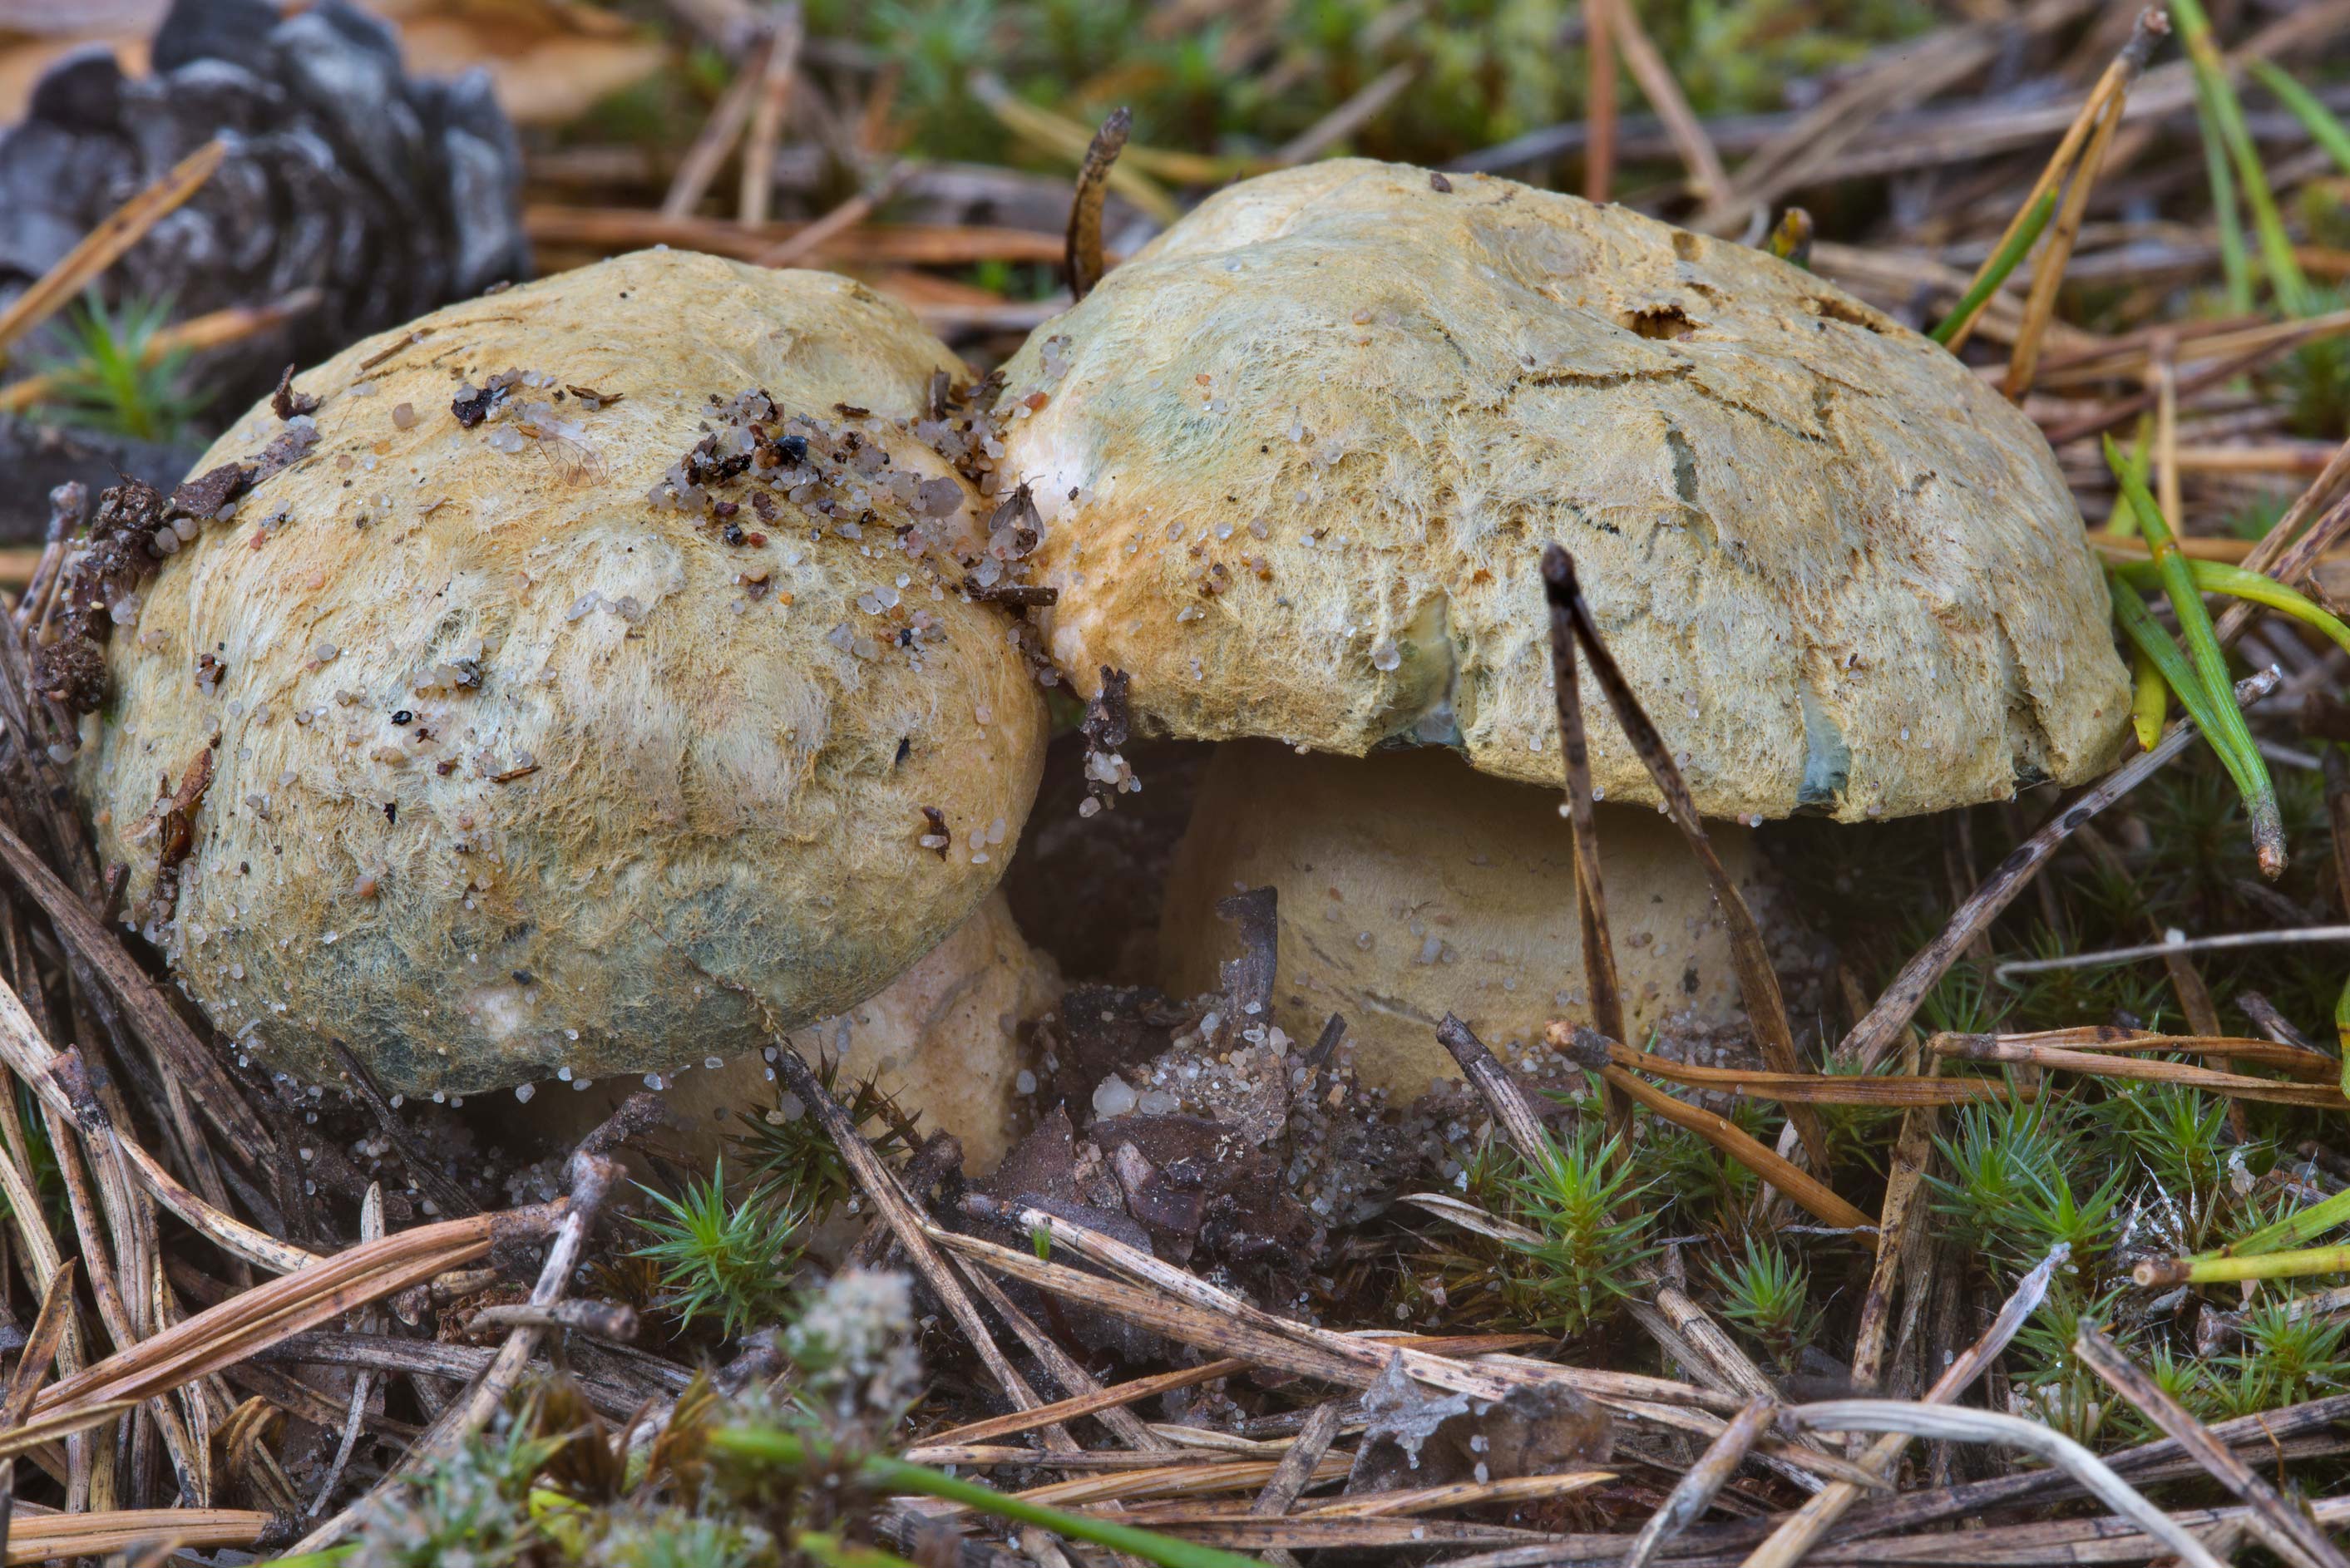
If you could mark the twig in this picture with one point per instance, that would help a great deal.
(2286, 1529)
(1081, 256)
(1521, 1125)
(776, 73)
(1707, 181)
(1358, 110)
(1705, 1480)
(1296, 1468)
(719, 133)
(1872, 1038)
(1757, 984)
(355, 1412)
(912, 1226)
(1067, 1410)
(1599, 98)
(2040, 306)
(593, 1176)
(821, 233)
(1952, 1424)
(1140, 1266)
(213, 330)
(615, 1321)
(33, 1364)
(98, 249)
(1896, 1220)
(2162, 950)
(1599, 976)
(1788, 1544)
(1458, 1494)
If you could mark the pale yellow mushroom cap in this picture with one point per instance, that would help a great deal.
(517, 770)
(1298, 458)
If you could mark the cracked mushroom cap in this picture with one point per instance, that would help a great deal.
(536, 744)
(1297, 460)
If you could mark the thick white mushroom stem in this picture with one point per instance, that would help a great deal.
(1409, 886)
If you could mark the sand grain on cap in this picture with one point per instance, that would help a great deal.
(1299, 456)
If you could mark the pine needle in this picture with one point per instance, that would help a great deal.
(2004, 260)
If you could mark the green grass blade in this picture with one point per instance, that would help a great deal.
(2296, 1229)
(2217, 94)
(2231, 737)
(776, 1446)
(2149, 699)
(2341, 1034)
(2009, 257)
(2219, 578)
(2235, 260)
(2315, 118)
(2268, 1266)
(832, 1552)
(2122, 522)
(2155, 647)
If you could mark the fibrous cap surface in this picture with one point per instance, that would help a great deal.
(1298, 458)
(515, 764)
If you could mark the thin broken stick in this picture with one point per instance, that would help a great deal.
(2285, 1529)
(1297, 1469)
(1705, 1480)
(1905, 1420)
(593, 1176)
(98, 249)
(1758, 984)
(1590, 894)
(2040, 306)
(1082, 255)
(1873, 1038)
(2152, 26)
(1791, 1540)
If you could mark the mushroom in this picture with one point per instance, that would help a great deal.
(1411, 885)
(947, 1038)
(1295, 464)
(584, 685)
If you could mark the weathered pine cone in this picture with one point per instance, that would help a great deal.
(391, 196)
